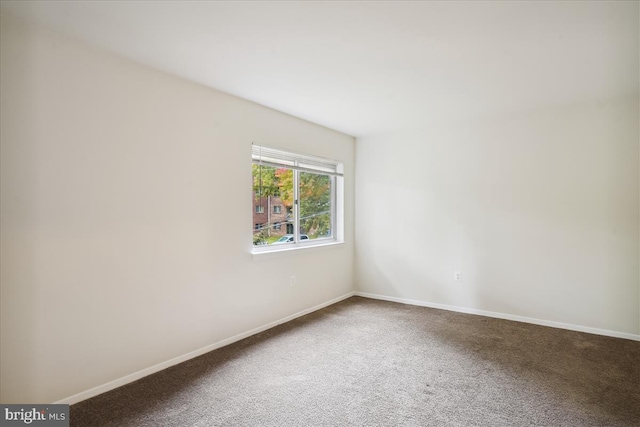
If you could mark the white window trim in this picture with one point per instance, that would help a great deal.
(305, 163)
(293, 250)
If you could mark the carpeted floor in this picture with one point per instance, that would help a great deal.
(365, 362)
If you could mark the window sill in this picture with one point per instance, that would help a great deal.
(273, 253)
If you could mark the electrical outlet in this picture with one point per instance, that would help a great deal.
(457, 276)
(292, 281)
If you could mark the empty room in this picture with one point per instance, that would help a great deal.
(320, 213)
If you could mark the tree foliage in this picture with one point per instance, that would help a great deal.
(265, 182)
(315, 203)
(285, 182)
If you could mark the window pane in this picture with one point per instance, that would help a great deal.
(315, 206)
(272, 196)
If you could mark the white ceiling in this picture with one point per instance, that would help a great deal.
(369, 67)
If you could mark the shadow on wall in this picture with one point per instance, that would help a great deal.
(419, 263)
(21, 293)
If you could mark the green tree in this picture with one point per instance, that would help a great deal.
(315, 203)
(275, 182)
(265, 182)
(259, 238)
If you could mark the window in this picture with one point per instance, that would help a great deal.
(310, 190)
(259, 209)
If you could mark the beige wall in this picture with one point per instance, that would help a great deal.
(538, 211)
(126, 217)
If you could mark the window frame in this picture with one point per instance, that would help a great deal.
(299, 163)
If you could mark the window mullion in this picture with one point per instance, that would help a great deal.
(296, 206)
(332, 222)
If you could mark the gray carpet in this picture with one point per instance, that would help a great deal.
(364, 362)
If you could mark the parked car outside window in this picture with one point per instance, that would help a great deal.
(288, 238)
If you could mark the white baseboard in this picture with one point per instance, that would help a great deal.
(176, 360)
(164, 365)
(503, 316)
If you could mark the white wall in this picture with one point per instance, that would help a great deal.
(126, 217)
(539, 211)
